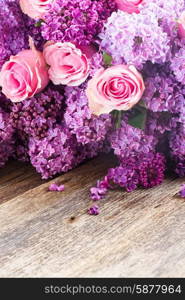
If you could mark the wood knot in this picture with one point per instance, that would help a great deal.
(72, 219)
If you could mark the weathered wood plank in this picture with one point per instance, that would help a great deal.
(17, 178)
(49, 234)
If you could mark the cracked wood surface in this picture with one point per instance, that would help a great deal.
(50, 234)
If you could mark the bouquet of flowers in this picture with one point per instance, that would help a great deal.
(81, 77)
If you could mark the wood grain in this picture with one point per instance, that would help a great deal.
(49, 234)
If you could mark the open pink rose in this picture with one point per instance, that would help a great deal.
(117, 88)
(35, 9)
(181, 25)
(129, 6)
(68, 65)
(24, 75)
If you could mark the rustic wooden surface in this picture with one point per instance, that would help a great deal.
(49, 234)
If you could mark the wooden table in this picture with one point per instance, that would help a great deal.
(50, 234)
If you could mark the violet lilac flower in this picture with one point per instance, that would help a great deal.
(79, 21)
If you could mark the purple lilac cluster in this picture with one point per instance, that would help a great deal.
(36, 115)
(79, 21)
(134, 39)
(158, 123)
(13, 33)
(146, 170)
(6, 137)
(53, 154)
(163, 91)
(139, 163)
(79, 120)
(150, 35)
(128, 141)
(164, 98)
(177, 145)
(33, 30)
(15, 29)
(177, 66)
(166, 12)
(59, 151)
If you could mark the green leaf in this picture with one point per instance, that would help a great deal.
(39, 23)
(107, 59)
(142, 104)
(139, 120)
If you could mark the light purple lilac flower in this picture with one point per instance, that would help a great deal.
(135, 38)
(163, 92)
(178, 65)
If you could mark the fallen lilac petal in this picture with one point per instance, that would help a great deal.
(53, 187)
(97, 193)
(94, 210)
(182, 191)
(56, 188)
(61, 188)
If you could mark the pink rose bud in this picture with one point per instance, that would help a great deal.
(129, 6)
(181, 25)
(117, 88)
(35, 9)
(68, 65)
(24, 75)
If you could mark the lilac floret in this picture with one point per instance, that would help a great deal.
(99, 191)
(182, 191)
(94, 210)
(56, 188)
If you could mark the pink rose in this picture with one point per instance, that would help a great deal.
(117, 88)
(24, 75)
(68, 65)
(181, 25)
(129, 6)
(35, 9)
